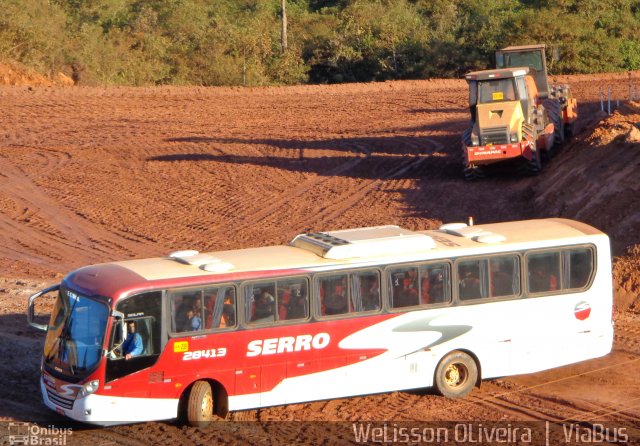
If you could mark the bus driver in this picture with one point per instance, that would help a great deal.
(132, 346)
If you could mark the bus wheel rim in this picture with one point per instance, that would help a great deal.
(455, 375)
(207, 406)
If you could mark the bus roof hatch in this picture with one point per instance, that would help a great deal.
(475, 233)
(363, 242)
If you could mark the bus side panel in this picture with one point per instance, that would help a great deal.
(412, 343)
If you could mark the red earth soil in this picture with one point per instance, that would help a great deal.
(90, 175)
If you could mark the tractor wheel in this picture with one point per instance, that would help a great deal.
(534, 165)
(555, 116)
(466, 137)
(471, 172)
(456, 375)
(200, 405)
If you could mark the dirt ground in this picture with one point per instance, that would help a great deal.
(89, 175)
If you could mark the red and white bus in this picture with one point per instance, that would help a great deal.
(333, 314)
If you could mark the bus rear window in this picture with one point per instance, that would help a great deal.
(579, 264)
(568, 269)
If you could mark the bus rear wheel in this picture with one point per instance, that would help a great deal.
(200, 405)
(456, 375)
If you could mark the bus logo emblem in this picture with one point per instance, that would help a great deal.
(182, 346)
(582, 311)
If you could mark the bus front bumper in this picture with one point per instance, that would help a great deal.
(107, 410)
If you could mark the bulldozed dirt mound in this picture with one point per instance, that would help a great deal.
(89, 175)
(13, 73)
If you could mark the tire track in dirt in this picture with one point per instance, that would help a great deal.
(49, 231)
(341, 192)
(269, 208)
(348, 199)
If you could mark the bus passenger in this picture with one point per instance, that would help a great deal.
(425, 296)
(469, 284)
(195, 321)
(371, 296)
(209, 304)
(284, 297)
(263, 307)
(501, 281)
(228, 318)
(132, 346)
(540, 278)
(182, 320)
(297, 306)
(336, 302)
(436, 287)
(408, 294)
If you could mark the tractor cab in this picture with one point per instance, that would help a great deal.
(531, 56)
(497, 97)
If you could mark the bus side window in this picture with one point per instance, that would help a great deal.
(434, 284)
(365, 291)
(293, 299)
(220, 307)
(334, 294)
(404, 287)
(543, 272)
(578, 267)
(187, 311)
(471, 280)
(261, 303)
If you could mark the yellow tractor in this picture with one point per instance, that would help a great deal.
(515, 117)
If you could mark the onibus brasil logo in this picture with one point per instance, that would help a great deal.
(19, 433)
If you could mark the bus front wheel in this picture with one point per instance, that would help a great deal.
(200, 405)
(456, 375)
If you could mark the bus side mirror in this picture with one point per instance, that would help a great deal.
(120, 333)
(31, 312)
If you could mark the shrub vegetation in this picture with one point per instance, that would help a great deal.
(224, 42)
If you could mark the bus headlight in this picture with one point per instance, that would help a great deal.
(89, 388)
(513, 137)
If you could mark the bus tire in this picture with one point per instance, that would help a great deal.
(456, 375)
(200, 405)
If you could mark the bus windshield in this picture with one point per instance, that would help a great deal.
(76, 333)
